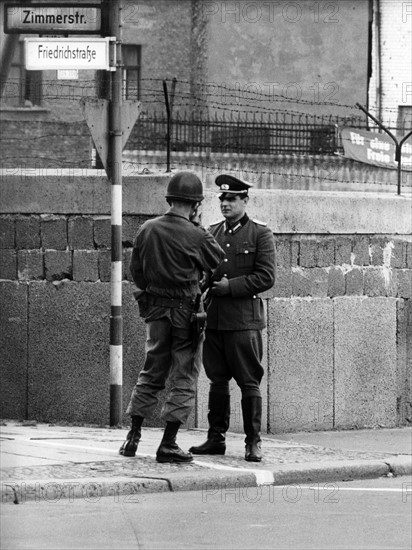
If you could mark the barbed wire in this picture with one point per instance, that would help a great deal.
(142, 167)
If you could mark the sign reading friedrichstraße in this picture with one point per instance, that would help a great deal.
(67, 53)
(52, 18)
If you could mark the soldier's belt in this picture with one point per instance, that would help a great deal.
(179, 303)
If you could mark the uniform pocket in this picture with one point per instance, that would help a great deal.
(245, 255)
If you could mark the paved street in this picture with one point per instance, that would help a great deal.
(66, 487)
(367, 514)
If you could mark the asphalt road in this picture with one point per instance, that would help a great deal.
(368, 514)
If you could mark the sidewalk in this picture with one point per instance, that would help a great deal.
(48, 462)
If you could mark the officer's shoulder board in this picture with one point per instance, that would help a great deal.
(259, 222)
(213, 224)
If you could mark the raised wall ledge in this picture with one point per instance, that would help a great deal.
(81, 191)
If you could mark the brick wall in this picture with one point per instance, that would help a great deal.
(45, 144)
(53, 248)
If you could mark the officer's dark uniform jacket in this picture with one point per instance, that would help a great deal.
(250, 267)
(169, 257)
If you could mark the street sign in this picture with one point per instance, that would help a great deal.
(42, 54)
(52, 19)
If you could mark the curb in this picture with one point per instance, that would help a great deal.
(129, 488)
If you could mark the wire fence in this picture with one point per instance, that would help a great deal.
(241, 133)
(205, 120)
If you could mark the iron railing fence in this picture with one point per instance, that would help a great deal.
(268, 134)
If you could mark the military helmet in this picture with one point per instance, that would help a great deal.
(185, 186)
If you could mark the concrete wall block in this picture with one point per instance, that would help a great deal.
(377, 247)
(28, 232)
(287, 251)
(300, 343)
(30, 265)
(283, 283)
(325, 252)
(130, 226)
(360, 250)
(365, 362)
(343, 250)
(80, 233)
(354, 281)
(54, 232)
(8, 264)
(377, 281)
(86, 265)
(310, 282)
(102, 232)
(127, 255)
(398, 256)
(409, 255)
(13, 349)
(336, 282)
(301, 284)
(319, 278)
(7, 232)
(105, 264)
(58, 264)
(404, 361)
(307, 256)
(404, 279)
(68, 361)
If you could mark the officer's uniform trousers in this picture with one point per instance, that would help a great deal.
(233, 345)
(169, 257)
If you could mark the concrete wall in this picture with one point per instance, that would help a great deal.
(339, 336)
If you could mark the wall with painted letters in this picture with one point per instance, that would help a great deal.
(338, 343)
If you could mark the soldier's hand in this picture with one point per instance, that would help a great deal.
(220, 288)
(196, 216)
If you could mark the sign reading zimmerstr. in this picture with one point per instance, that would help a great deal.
(52, 18)
(67, 53)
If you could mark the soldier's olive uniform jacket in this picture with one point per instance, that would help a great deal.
(250, 267)
(169, 257)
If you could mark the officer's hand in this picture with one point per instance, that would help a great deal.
(220, 288)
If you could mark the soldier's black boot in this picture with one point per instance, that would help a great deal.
(129, 447)
(168, 450)
(252, 418)
(218, 418)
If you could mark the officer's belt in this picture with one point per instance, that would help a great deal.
(179, 303)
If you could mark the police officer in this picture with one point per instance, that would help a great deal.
(169, 258)
(235, 318)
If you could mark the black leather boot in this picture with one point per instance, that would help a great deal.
(218, 418)
(168, 450)
(252, 418)
(129, 447)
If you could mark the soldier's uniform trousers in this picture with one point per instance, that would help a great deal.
(169, 349)
(234, 354)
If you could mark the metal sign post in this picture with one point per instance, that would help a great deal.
(115, 176)
(398, 144)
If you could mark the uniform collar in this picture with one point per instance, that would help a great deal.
(176, 215)
(238, 225)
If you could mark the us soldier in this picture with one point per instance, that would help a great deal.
(170, 255)
(235, 318)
